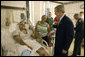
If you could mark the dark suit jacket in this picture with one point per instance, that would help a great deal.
(64, 34)
(79, 29)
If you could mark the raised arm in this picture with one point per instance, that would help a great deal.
(20, 41)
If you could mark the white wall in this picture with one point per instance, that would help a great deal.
(36, 10)
(71, 9)
(52, 7)
(14, 3)
(39, 8)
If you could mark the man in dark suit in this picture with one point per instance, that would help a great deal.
(79, 35)
(64, 32)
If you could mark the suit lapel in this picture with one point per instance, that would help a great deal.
(61, 20)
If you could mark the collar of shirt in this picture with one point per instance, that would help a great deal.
(62, 17)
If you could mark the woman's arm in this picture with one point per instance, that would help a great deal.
(48, 29)
(36, 33)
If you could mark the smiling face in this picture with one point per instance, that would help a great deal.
(58, 13)
(44, 18)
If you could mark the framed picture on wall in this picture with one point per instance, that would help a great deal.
(22, 16)
(18, 16)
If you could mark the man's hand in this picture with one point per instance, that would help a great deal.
(50, 44)
(64, 51)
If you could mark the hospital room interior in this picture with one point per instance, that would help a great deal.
(27, 28)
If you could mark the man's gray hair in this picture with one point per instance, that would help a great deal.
(60, 8)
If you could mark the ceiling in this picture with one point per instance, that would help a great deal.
(66, 2)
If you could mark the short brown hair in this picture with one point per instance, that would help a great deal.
(81, 12)
(76, 14)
